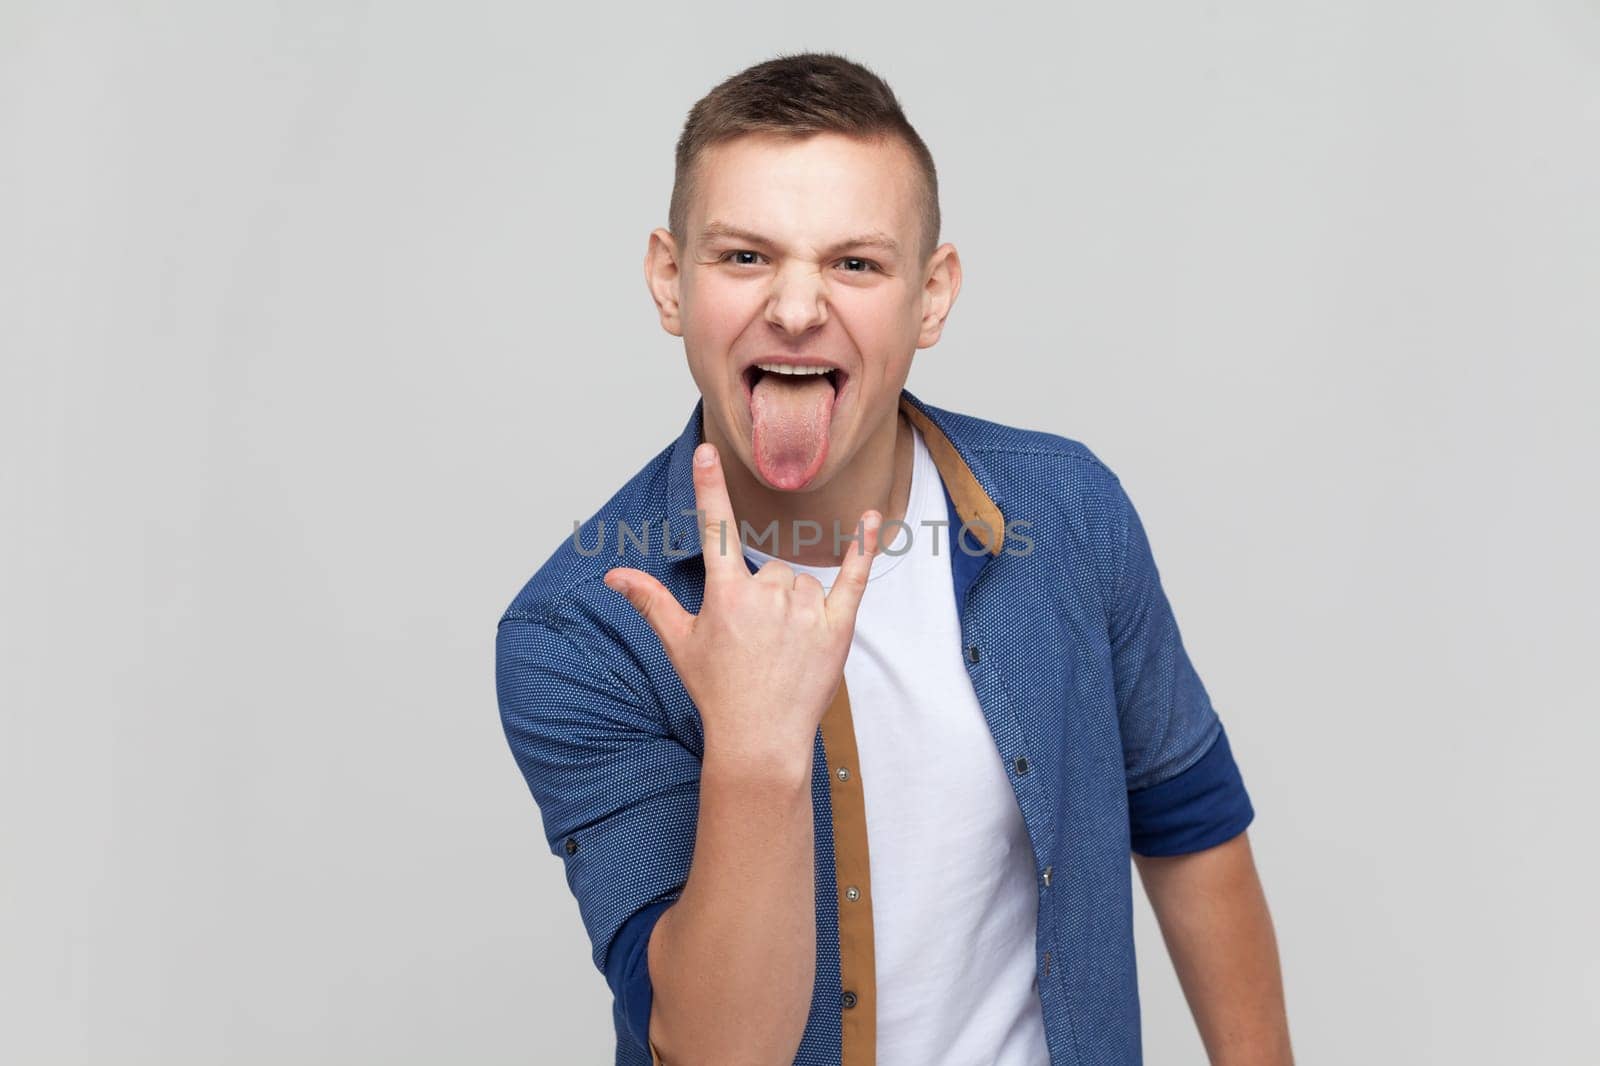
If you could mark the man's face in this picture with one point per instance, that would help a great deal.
(804, 253)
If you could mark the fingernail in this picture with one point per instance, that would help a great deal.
(703, 455)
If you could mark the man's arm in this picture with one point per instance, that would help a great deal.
(1214, 919)
(1187, 814)
(733, 961)
(694, 874)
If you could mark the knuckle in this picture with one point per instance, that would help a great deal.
(645, 604)
(776, 570)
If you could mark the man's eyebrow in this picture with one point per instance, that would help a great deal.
(872, 239)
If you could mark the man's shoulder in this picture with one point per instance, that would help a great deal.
(627, 530)
(1064, 500)
(1012, 453)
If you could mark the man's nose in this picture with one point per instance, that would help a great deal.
(798, 302)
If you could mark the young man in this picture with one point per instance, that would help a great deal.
(824, 801)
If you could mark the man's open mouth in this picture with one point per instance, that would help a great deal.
(785, 374)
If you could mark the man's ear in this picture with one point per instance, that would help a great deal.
(661, 275)
(939, 293)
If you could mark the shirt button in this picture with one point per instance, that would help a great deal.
(852, 893)
(571, 845)
(844, 773)
(848, 999)
(1022, 764)
(1047, 871)
(972, 652)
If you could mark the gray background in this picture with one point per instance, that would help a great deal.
(322, 321)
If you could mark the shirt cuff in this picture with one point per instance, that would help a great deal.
(1201, 807)
(628, 969)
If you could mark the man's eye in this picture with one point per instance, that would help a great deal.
(742, 251)
(867, 265)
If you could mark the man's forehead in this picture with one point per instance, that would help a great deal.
(819, 158)
(843, 191)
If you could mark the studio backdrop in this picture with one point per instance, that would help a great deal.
(323, 322)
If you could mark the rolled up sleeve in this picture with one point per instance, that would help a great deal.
(1185, 792)
(618, 796)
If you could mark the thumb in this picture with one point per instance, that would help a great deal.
(654, 603)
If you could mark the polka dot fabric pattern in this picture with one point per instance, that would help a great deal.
(1106, 732)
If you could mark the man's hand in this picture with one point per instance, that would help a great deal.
(765, 655)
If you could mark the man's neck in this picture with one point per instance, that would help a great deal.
(879, 478)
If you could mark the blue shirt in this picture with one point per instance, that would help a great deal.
(1107, 734)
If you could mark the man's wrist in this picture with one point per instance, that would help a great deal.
(757, 765)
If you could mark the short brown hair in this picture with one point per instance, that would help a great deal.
(799, 96)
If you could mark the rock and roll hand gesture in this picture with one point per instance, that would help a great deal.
(765, 655)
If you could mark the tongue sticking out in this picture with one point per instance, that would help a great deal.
(791, 414)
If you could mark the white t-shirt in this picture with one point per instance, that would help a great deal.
(954, 902)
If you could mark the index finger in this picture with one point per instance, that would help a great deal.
(719, 533)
